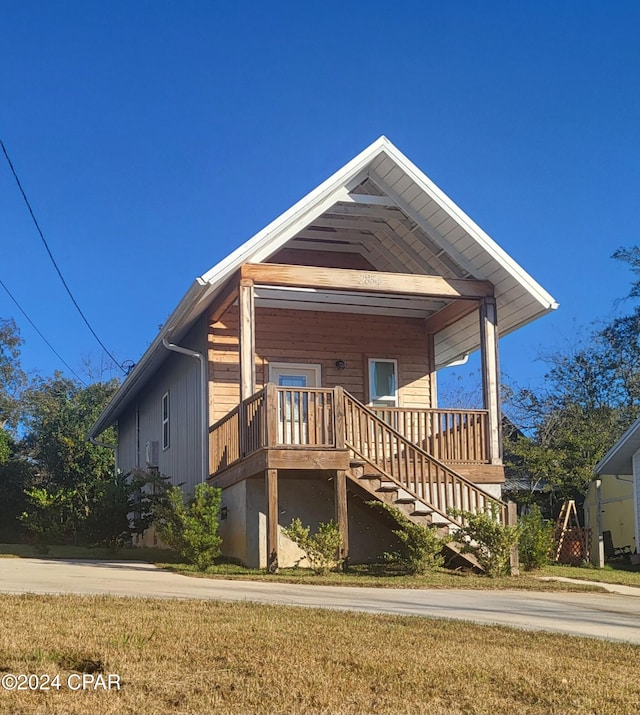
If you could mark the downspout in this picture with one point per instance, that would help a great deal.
(203, 402)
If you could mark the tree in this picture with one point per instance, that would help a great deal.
(591, 395)
(16, 475)
(12, 378)
(58, 414)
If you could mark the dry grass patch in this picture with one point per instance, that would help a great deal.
(212, 657)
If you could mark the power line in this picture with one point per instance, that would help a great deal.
(35, 327)
(55, 265)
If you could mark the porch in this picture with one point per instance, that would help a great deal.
(408, 457)
(394, 445)
(300, 424)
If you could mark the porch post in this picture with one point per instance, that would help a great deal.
(491, 376)
(247, 348)
(271, 483)
(431, 359)
(342, 517)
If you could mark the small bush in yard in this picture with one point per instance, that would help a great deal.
(536, 539)
(320, 548)
(192, 529)
(421, 550)
(49, 513)
(487, 539)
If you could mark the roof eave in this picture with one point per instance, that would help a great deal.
(618, 450)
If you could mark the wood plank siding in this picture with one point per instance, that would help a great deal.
(320, 337)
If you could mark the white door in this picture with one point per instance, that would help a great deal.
(293, 401)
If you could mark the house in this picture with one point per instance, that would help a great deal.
(613, 500)
(299, 374)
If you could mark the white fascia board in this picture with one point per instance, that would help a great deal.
(624, 448)
(472, 228)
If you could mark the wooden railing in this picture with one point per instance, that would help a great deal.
(456, 436)
(274, 417)
(224, 441)
(306, 417)
(396, 442)
(411, 467)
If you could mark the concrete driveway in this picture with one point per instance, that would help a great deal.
(600, 615)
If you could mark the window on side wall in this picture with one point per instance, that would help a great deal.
(165, 421)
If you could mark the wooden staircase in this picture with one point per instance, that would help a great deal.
(398, 472)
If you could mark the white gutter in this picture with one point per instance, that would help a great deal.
(204, 384)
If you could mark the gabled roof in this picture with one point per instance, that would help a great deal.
(381, 206)
(619, 459)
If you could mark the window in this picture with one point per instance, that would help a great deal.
(383, 382)
(165, 421)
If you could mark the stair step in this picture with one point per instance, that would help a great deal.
(421, 510)
(387, 487)
(357, 463)
(440, 523)
(404, 497)
(369, 475)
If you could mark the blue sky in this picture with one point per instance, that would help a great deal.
(152, 138)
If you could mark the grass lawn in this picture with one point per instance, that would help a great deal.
(619, 572)
(372, 576)
(212, 657)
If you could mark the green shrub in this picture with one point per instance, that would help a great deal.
(321, 548)
(47, 516)
(487, 539)
(192, 528)
(536, 539)
(124, 506)
(421, 550)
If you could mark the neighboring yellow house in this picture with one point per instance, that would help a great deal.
(613, 500)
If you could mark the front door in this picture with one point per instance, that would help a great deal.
(293, 400)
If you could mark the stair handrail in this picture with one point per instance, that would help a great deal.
(408, 445)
